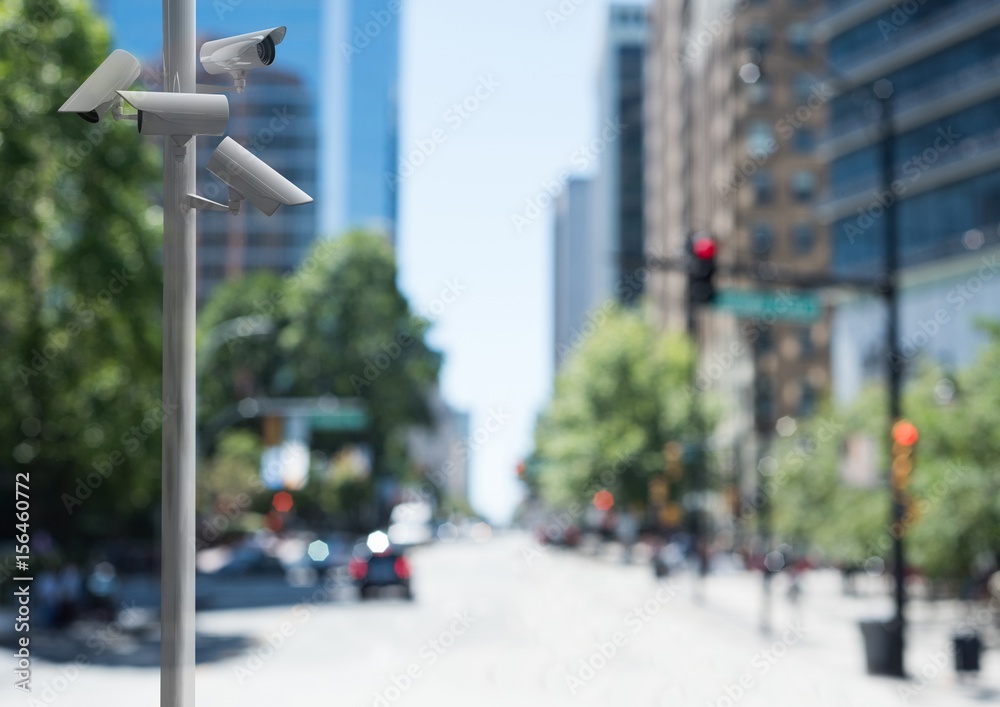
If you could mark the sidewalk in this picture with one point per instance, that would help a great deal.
(835, 635)
(833, 618)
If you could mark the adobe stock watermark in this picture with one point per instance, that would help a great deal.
(48, 692)
(567, 518)
(438, 478)
(912, 169)
(760, 665)
(917, 508)
(776, 474)
(287, 626)
(628, 285)
(364, 34)
(454, 118)
(84, 316)
(785, 128)
(582, 158)
(131, 441)
(751, 331)
(563, 11)
(901, 14)
(428, 654)
(390, 351)
(937, 322)
(636, 620)
(710, 30)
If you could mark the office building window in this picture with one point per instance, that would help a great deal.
(761, 238)
(807, 400)
(760, 139)
(803, 238)
(804, 140)
(758, 93)
(807, 347)
(803, 86)
(763, 185)
(799, 38)
(757, 37)
(803, 185)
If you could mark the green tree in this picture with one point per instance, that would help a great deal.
(80, 285)
(618, 400)
(337, 326)
(351, 333)
(954, 514)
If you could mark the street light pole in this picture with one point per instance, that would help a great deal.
(883, 91)
(177, 576)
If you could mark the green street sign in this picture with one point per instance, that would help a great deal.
(340, 421)
(777, 305)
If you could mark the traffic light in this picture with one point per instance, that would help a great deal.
(701, 249)
(673, 460)
(521, 468)
(904, 439)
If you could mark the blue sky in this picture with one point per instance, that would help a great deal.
(457, 206)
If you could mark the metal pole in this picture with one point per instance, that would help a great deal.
(177, 569)
(883, 90)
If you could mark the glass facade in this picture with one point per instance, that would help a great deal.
(935, 205)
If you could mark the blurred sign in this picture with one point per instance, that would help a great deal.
(285, 466)
(754, 304)
(346, 419)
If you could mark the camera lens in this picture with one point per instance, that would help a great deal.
(265, 51)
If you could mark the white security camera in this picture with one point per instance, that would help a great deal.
(248, 177)
(237, 55)
(179, 114)
(100, 91)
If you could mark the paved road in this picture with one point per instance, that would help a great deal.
(507, 623)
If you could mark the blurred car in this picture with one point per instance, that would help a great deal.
(378, 565)
(410, 524)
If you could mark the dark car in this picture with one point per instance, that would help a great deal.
(377, 566)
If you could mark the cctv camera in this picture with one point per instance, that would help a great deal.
(99, 91)
(179, 113)
(250, 178)
(237, 55)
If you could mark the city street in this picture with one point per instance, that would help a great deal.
(510, 623)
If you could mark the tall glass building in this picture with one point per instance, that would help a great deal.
(360, 108)
(942, 58)
(617, 192)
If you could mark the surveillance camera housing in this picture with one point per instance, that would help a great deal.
(237, 55)
(251, 178)
(100, 91)
(179, 113)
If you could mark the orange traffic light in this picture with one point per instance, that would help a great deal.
(282, 502)
(905, 433)
(904, 437)
(603, 500)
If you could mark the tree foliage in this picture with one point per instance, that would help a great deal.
(80, 285)
(623, 394)
(337, 326)
(954, 515)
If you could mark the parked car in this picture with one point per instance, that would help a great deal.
(377, 566)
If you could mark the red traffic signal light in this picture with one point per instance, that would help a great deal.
(905, 433)
(521, 468)
(701, 248)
